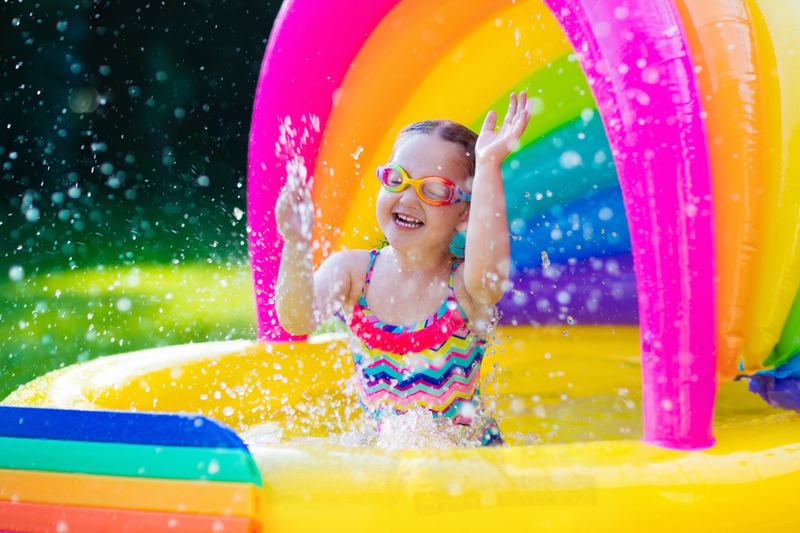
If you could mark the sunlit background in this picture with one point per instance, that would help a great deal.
(124, 151)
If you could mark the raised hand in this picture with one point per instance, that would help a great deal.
(495, 146)
(294, 209)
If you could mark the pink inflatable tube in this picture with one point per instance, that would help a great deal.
(298, 80)
(637, 60)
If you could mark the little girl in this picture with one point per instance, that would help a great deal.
(418, 315)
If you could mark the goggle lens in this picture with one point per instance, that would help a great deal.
(391, 178)
(433, 190)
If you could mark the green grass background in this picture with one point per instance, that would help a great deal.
(59, 318)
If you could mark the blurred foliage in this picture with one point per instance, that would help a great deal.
(123, 161)
(124, 129)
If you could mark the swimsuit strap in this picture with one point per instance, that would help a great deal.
(451, 283)
(373, 254)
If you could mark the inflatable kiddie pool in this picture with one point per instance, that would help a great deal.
(652, 189)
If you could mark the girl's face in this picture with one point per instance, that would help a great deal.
(405, 219)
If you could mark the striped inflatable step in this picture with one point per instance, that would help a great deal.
(68, 470)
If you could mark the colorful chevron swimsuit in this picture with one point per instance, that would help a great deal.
(435, 364)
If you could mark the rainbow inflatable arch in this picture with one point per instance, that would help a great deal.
(655, 221)
(677, 115)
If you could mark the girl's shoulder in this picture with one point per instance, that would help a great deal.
(351, 265)
(351, 260)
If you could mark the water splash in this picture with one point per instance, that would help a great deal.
(418, 428)
(415, 429)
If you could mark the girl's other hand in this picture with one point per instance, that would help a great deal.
(495, 146)
(294, 210)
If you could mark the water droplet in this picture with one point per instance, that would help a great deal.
(84, 100)
(537, 106)
(168, 156)
(650, 75)
(32, 214)
(16, 273)
(124, 304)
(605, 213)
(517, 226)
(570, 159)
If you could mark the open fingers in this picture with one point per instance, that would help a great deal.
(490, 122)
(520, 103)
(512, 109)
(517, 105)
(523, 101)
(295, 191)
(294, 209)
(508, 120)
(302, 192)
(523, 116)
(521, 123)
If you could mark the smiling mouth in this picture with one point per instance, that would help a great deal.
(406, 222)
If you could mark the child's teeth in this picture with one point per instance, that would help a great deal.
(409, 222)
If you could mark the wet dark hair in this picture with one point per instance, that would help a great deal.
(449, 131)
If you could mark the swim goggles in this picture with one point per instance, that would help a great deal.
(433, 189)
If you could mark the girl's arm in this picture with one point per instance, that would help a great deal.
(303, 299)
(487, 251)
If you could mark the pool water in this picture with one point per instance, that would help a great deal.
(543, 387)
